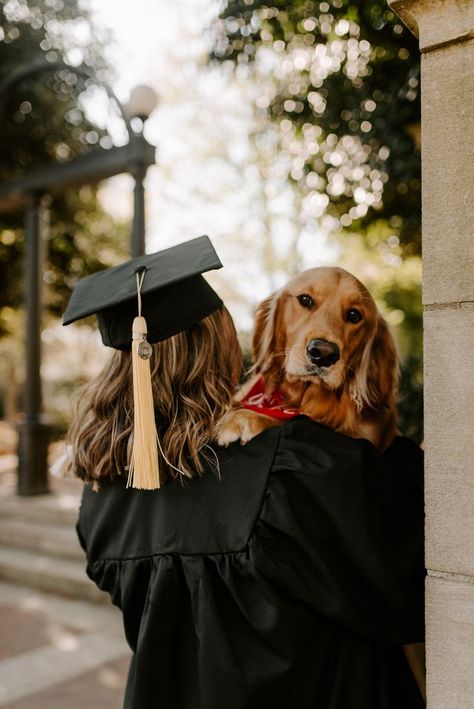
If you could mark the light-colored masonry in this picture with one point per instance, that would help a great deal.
(446, 33)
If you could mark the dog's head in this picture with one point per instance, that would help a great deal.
(324, 326)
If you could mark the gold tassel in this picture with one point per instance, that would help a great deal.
(144, 471)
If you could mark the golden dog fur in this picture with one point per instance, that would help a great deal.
(355, 395)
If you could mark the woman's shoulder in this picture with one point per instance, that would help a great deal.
(304, 442)
(212, 513)
(216, 513)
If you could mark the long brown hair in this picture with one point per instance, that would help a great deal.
(194, 375)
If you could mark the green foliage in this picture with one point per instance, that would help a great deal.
(342, 77)
(410, 402)
(43, 119)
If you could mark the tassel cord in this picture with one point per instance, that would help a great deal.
(144, 472)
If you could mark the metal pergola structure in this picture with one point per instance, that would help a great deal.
(30, 192)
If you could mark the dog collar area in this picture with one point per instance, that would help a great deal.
(267, 403)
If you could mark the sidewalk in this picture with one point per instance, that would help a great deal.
(57, 653)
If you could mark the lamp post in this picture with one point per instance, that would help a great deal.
(142, 102)
(31, 191)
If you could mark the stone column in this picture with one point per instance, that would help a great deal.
(446, 32)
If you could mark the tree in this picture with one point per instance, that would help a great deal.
(341, 78)
(45, 119)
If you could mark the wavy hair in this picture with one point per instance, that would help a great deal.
(194, 376)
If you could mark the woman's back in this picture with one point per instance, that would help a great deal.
(290, 581)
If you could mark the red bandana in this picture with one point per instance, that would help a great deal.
(269, 404)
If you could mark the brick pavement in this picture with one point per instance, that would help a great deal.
(57, 653)
(102, 688)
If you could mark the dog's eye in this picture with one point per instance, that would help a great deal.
(354, 315)
(305, 300)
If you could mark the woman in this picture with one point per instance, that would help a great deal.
(285, 573)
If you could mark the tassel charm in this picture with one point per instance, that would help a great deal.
(144, 349)
(144, 471)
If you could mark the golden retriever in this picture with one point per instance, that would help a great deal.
(322, 345)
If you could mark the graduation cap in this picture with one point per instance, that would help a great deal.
(147, 299)
(173, 293)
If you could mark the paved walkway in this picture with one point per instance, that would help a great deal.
(57, 653)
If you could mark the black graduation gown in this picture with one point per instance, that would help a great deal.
(290, 582)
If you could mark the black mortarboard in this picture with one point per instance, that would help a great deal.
(174, 294)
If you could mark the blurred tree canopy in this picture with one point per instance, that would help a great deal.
(341, 78)
(338, 83)
(44, 119)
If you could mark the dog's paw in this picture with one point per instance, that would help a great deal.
(241, 425)
(231, 428)
(226, 433)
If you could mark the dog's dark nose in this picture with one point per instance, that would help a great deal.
(322, 353)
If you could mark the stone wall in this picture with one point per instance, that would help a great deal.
(446, 32)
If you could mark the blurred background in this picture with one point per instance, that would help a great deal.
(287, 131)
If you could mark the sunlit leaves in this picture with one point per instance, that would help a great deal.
(350, 70)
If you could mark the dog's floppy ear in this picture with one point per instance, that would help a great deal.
(376, 381)
(266, 335)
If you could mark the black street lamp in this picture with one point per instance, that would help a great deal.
(141, 104)
(31, 191)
